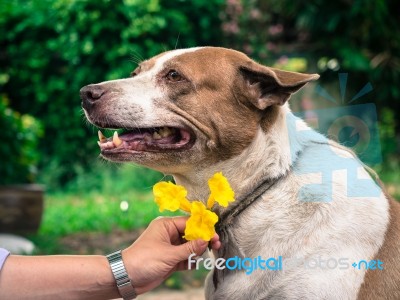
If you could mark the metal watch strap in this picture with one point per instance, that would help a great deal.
(124, 284)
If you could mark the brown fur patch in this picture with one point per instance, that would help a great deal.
(219, 100)
(209, 99)
(384, 284)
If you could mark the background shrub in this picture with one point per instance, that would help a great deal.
(19, 154)
(49, 49)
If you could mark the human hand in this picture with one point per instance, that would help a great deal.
(160, 251)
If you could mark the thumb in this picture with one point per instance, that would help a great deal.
(197, 246)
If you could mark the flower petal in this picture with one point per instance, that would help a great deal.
(221, 190)
(185, 204)
(210, 202)
(169, 196)
(201, 224)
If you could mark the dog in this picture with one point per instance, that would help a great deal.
(193, 112)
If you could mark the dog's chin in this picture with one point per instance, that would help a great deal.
(146, 143)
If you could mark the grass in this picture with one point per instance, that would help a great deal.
(113, 197)
(104, 203)
(106, 199)
(79, 214)
(70, 213)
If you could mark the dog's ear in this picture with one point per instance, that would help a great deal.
(269, 86)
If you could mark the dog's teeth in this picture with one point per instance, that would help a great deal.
(166, 131)
(156, 135)
(102, 138)
(116, 140)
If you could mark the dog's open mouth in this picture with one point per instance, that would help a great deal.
(158, 139)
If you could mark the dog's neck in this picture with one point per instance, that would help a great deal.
(269, 156)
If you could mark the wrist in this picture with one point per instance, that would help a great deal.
(132, 266)
(121, 277)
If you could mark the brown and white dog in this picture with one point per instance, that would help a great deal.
(194, 112)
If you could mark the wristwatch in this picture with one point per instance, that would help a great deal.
(124, 284)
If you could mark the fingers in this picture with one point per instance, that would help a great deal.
(173, 225)
(196, 246)
(215, 242)
(180, 223)
(215, 245)
(176, 226)
(183, 251)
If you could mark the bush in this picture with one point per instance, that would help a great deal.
(359, 37)
(50, 49)
(19, 135)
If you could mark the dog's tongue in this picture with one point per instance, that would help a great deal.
(157, 139)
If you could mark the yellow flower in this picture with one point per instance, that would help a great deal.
(221, 191)
(201, 223)
(170, 196)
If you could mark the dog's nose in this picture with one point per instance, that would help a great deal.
(91, 93)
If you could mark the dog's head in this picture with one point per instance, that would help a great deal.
(188, 107)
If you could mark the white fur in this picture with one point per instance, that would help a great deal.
(159, 65)
(142, 90)
(280, 224)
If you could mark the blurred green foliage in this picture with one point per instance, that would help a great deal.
(358, 37)
(19, 135)
(114, 197)
(49, 49)
(92, 211)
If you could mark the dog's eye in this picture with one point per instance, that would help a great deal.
(174, 76)
(135, 72)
